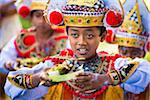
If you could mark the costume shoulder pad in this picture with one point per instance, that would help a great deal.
(25, 43)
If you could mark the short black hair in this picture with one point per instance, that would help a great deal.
(32, 12)
(101, 28)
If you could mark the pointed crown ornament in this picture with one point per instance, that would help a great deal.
(132, 33)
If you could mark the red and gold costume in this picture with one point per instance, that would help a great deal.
(26, 44)
(101, 64)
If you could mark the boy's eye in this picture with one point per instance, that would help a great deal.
(89, 36)
(125, 52)
(75, 35)
(38, 15)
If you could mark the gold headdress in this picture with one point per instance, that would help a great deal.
(83, 13)
(39, 4)
(25, 6)
(131, 33)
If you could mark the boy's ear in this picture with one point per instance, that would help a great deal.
(103, 36)
(143, 53)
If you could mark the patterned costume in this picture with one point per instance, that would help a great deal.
(100, 64)
(128, 72)
(25, 43)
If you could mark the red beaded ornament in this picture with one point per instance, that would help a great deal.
(78, 94)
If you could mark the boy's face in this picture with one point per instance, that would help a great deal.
(84, 41)
(39, 22)
(131, 52)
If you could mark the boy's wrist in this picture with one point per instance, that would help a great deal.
(35, 80)
(114, 77)
(108, 80)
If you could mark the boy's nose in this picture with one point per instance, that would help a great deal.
(82, 41)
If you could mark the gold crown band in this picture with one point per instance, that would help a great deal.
(83, 21)
(130, 35)
(38, 6)
(129, 42)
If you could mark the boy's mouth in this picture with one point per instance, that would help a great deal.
(82, 51)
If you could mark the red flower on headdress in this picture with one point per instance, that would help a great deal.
(113, 18)
(24, 11)
(55, 17)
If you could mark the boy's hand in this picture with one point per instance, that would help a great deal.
(9, 65)
(44, 79)
(91, 81)
(41, 78)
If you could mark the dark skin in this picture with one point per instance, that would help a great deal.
(84, 42)
(131, 52)
(44, 31)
